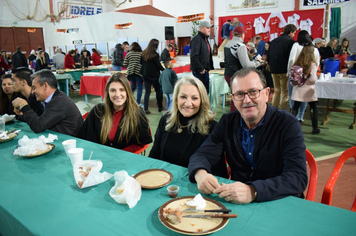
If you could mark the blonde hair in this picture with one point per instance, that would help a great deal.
(132, 113)
(305, 59)
(201, 122)
(41, 58)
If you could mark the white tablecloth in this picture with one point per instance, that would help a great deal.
(336, 90)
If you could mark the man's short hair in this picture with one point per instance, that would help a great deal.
(58, 49)
(257, 37)
(23, 74)
(45, 76)
(18, 48)
(289, 28)
(39, 48)
(245, 71)
(125, 43)
(166, 62)
(5, 76)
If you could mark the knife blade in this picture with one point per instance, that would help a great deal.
(211, 216)
(202, 211)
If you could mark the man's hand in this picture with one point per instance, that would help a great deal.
(237, 193)
(18, 112)
(19, 102)
(203, 72)
(206, 182)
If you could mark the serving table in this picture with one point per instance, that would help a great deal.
(68, 80)
(77, 73)
(337, 88)
(39, 196)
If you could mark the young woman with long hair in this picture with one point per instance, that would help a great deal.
(183, 129)
(118, 122)
(151, 68)
(344, 47)
(307, 92)
(41, 62)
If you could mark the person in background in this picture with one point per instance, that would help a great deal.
(182, 130)
(258, 41)
(84, 49)
(84, 60)
(307, 92)
(168, 79)
(225, 31)
(95, 57)
(46, 56)
(76, 58)
(237, 56)
(277, 57)
(173, 53)
(331, 48)
(165, 55)
(22, 83)
(344, 48)
(323, 44)
(235, 23)
(267, 73)
(41, 62)
(60, 49)
(7, 95)
(264, 169)
(6, 58)
(60, 113)
(151, 68)
(58, 59)
(3, 65)
(119, 122)
(303, 39)
(201, 56)
(69, 60)
(187, 49)
(133, 63)
(18, 59)
(118, 56)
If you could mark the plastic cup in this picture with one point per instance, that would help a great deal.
(69, 144)
(75, 154)
(173, 191)
(340, 75)
(321, 77)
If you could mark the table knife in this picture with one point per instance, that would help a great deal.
(202, 211)
(211, 216)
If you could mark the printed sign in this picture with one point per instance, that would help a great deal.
(31, 30)
(78, 10)
(61, 30)
(194, 17)
(321, 2)
(235, 5)
(77, 41)
(123, 26)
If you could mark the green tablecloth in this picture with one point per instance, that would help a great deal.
(77, 74)
(40, 197)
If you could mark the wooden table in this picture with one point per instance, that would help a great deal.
(337, 88)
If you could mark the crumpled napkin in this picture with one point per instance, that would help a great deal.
(29, 146)
(127, 190)
(50, 139)
(198, 202)
(87, 173)
(7, 118)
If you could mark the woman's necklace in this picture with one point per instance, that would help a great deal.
(181, 127)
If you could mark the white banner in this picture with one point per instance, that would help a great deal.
(74, 9)
(234, 5)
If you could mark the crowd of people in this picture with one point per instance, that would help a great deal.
(187, 134)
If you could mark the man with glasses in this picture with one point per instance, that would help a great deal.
(263, 146)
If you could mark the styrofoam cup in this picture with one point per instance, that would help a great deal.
(75, 154)
(69, 144)
(321, 77)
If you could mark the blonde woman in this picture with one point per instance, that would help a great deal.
(182, 130)
(307, 92)
(119, 122)
(41, 62)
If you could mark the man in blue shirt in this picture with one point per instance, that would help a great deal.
(260, 44)
(187, 49)
(263, 146)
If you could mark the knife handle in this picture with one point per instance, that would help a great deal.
(223, 215)
(221, 210)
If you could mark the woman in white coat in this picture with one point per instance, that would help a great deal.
(303, 38)
(307, 92)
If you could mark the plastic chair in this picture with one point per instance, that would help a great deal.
(85, 115)
(328, 190)
(143, 149)
(313, 179)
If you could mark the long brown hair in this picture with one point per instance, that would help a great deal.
(131, 113)
(305, 58)
(151, 51)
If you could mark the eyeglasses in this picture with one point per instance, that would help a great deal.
(239, 96)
